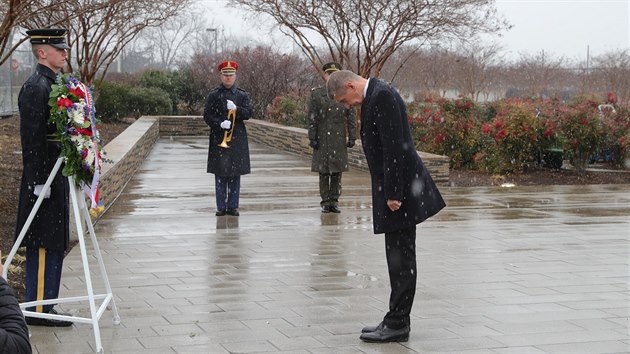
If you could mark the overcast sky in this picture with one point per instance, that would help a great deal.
(566, 28)
(559, 27)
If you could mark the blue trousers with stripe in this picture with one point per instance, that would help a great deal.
(228, 190)
(43, 276)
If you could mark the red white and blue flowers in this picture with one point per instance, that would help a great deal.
(72, 112)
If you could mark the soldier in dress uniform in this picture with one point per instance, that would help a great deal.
(228, 164)
(48, 235)
(329, 125)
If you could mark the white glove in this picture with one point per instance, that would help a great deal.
(38, 190)
(230, 105)
(226, 124)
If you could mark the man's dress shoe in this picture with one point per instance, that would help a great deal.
(233, 212)
(368, 329)
(220, 213)
(48, 322)
(383, 334)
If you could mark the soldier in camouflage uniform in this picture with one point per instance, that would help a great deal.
(332, 130)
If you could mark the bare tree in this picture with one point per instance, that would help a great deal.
(16, 14)
(363, 34)
(12, 13)
(612, 72)
(438, 70)
(426, 71)
(475, 68)
(100, 34)
(174, 40)
(266, 73)
(539, 72)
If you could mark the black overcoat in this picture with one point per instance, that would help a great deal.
(233, 161)
(13, 330)
(50, 228)
(396, 169)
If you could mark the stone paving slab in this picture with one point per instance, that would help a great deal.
(518, 270)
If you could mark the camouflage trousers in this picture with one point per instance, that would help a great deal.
(329, 188)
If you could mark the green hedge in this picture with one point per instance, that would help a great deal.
(513, 135)
(115, 101)
(289, 110)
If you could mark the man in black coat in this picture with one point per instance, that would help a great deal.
(403, 192)
(48, 235)
(228, 163)
(13, 330)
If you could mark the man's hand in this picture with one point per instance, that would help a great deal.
(226, 124)
(350, 143)
(393, 204)
(314, 144)
(230, 105)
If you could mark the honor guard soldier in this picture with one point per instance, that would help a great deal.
(331, 131)
(48, 235)
(226, 109)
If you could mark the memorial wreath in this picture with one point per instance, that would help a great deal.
(72, 112)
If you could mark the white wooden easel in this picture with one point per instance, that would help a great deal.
(80, 208)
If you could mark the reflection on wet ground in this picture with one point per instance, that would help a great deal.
(501, 270)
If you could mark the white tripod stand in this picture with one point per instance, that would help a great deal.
(80, 208)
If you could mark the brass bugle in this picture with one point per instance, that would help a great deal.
(227, 136)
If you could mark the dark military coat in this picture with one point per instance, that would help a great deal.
(50, 228)
(332, 125)
(233, 161)
(396, 169)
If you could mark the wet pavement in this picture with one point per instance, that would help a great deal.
(516, 270)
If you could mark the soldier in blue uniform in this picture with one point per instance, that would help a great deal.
(228, 164)
(48, 235)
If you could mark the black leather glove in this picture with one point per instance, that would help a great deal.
(350, 143)
(314, 144)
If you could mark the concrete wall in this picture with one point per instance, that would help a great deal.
(130, 148)
(127, 151)
(295, 140)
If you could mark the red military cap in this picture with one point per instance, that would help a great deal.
(228, 67)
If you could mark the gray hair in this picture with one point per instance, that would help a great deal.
(337, 81)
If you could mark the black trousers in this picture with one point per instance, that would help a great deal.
(400, 249)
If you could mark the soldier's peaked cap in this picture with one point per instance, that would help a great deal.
(55, 37)
(228, 67)
(331, 67)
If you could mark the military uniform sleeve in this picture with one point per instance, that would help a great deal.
(312, 115)
(210, 112)
(244, 109)
(34, 116)
(13, 330)
(351, 123)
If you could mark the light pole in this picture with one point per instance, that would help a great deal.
(215, 38)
